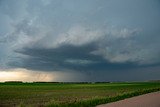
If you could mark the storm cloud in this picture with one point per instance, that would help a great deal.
(103, 40)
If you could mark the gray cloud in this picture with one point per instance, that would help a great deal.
(75, 36)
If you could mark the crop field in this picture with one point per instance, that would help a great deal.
(69, 94)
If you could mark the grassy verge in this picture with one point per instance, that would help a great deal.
(97, 101)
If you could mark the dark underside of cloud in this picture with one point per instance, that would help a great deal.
(78, 59)
(69, 58)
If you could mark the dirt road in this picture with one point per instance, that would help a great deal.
(147, 100)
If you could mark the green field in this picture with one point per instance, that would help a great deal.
(65, 94)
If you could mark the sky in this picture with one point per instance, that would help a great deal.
(79, 40)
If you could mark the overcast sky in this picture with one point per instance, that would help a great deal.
(80, 40)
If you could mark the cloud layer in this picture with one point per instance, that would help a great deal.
(86, 37)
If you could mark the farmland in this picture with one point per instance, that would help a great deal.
(70, 94)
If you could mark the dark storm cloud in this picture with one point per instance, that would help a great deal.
(56, 58)
(99, 37)
(68, 57)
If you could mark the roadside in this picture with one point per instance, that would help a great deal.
(147, 100)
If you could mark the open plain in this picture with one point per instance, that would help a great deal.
(70, 94)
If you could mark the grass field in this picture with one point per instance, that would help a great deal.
(59, 94)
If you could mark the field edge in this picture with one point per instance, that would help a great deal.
(98, 101)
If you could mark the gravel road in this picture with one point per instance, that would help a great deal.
(147, 100)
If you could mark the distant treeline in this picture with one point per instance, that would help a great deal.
(13, 82)
(56, 82)
(154, 81)
(73, 82)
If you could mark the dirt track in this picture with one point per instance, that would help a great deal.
(147, 100)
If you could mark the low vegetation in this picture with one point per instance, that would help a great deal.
(70, 94)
